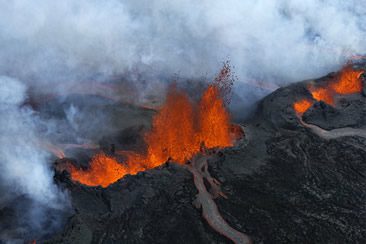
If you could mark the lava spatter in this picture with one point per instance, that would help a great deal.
(178, 130)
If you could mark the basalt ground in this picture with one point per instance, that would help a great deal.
(283, 183)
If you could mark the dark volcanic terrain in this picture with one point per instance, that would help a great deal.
(284, 183)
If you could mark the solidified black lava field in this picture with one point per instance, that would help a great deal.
(284, 184)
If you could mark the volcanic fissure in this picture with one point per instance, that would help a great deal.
(184, 132)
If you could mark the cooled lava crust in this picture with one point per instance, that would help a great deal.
(284, 184)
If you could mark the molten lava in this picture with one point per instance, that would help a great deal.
(347, 82)
(178, 130)
(302, 106)
(103, 171)
(173, 131)
(322, 94)
(214, 120)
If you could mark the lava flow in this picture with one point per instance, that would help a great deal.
(303, 105)
(347, 82)
(178, 131)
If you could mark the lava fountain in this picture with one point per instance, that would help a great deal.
(179, 129)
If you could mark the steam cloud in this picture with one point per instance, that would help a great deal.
(24, 171)
(274, 41)
(54, 44)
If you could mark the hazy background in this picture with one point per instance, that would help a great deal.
(273, 41)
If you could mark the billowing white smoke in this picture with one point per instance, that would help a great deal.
(274, 41)
(24, 171)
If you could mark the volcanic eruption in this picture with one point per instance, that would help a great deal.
(296, 141)
(182, 131)
(179, 129)
(120, 122)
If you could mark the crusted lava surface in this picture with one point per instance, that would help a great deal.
(283, 184)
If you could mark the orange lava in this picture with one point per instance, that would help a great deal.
(302, 106)
(322, 94)
(103, 171)
(347, 82)
(178, 130)
(173, 131)
(214, 120)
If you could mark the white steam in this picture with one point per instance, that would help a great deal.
(274, 41)
(24, 171)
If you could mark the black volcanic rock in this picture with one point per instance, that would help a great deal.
(284, 185)
(320, 113)
(306, 190)
(151, 207)
(350, 112)
(277, 108)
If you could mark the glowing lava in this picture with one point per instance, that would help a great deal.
(102, 171)
(178, 130)
(302, 106)
(347, 82)
(173, 131)
(214, 120)
(322, 94)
